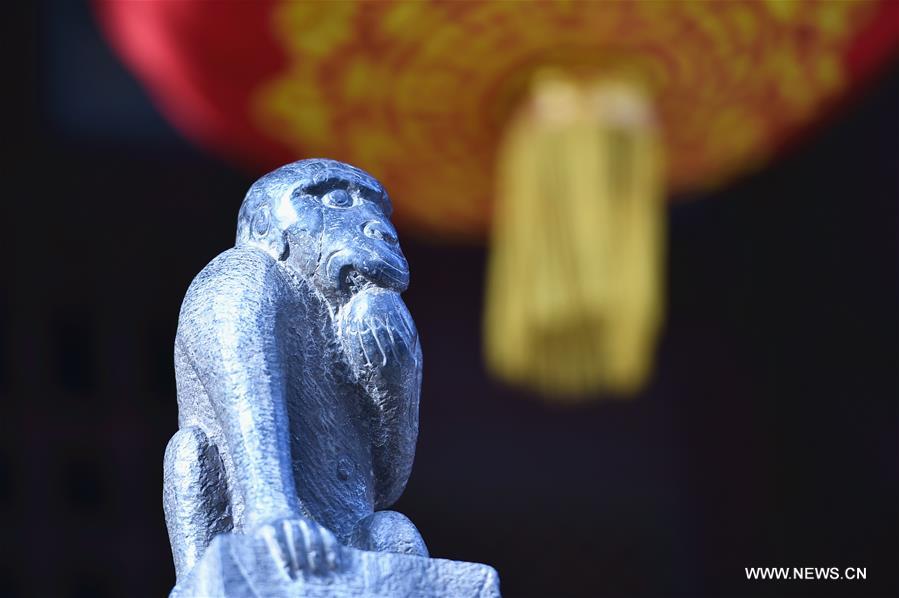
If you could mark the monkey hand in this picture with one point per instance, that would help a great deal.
(380, 339)
(297, 544)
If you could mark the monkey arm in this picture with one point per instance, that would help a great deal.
(396, 432)
(382, 348)
(227, 327)
(394, 452)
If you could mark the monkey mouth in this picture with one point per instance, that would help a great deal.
(351, 271)
(353, 282)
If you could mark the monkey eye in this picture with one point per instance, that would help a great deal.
(338, 199)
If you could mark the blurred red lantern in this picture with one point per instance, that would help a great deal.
(422, 95)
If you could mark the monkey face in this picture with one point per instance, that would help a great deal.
(359, 247)
(342, 240)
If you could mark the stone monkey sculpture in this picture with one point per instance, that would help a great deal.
(298, 370)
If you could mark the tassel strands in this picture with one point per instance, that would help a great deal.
(574, 282)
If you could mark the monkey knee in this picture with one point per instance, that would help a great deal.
(194, 474)
(388, 531)
(195, 497)
(187, 442)
(190, 456)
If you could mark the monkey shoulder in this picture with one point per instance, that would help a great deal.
(241, 288)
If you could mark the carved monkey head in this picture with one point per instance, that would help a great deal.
(329, 223)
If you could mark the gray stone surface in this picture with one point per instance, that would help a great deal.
(298, 370)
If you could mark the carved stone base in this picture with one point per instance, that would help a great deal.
(233, 566)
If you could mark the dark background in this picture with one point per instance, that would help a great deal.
(767, 437)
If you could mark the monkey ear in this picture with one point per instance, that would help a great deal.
(273, 241)
(261, 224)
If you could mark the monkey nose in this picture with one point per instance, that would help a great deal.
(375, 229)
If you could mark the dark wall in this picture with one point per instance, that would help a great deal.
(767, 437)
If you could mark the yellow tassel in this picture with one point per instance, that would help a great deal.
(574, 278)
